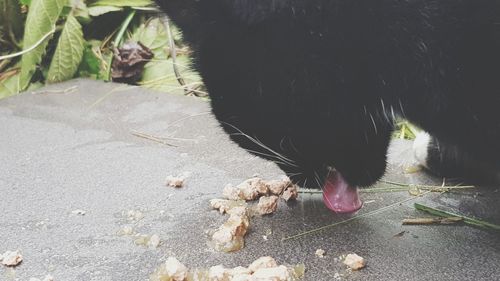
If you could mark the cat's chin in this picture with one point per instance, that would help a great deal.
(339, 196)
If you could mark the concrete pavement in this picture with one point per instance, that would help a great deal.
(93, 146)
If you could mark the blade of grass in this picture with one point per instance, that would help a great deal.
(365, 190)
(119, 38)
(429, 187)
(467, 220)
(400, 187)
(425, 221)
(151, 137)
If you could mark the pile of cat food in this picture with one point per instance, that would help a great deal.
(262, 269)
(229, 237)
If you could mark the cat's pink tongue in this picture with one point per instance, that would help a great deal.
(339, 196)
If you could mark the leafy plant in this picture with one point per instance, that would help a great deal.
(63, 39)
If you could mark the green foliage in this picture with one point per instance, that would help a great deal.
(90, 65)
(48, 41)
(69, 52)
(9, 85)
(96, 11)
(405, 130)
(123, 3)
(11, 21)
(159, 73)
(42, 18)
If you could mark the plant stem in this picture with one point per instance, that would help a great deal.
(399, 187)
(425, 221)
(28, 49)
(429, 187)
(119, 38)
(467, 220)
(124, 27)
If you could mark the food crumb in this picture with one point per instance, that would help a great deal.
(291, 193)
(154, 241)
(354, 261)
(262, 262)
(271, 273)
(175, 270)
(135, 215)
(320, 253)
(126, 230)
(277, 187)
(11, 258)
(78, 212)
(224, 205)
(217, 273)
(176, 182)
(267, 204)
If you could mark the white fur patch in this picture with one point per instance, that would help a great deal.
(420, 147)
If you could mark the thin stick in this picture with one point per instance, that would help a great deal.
(424, 186)
(30, 48)
(164, 137)
(69, 90)
(425, 221)
(150, 137)
(399, 189)
(366, 190)
(467, 220)
(187, 117)
(173, 55)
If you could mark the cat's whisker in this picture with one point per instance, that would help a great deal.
(402, 110)
(259, 143)
(271, 157)
(374, 125)
(318, 181)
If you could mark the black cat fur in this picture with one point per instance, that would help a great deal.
(319, 82)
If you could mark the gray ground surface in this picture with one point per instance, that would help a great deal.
(70, 146)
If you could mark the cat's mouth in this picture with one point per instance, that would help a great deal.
(339, 196)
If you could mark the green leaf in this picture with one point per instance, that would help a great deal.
(25, 2)
(9, 86)
(42, 18)
(91, 64)
(10, 17)
(153, 35)
(80, 11)
(69, 52)
(96, 11)
(123, 3)
(159, 73)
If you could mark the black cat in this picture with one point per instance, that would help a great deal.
(316, 84)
